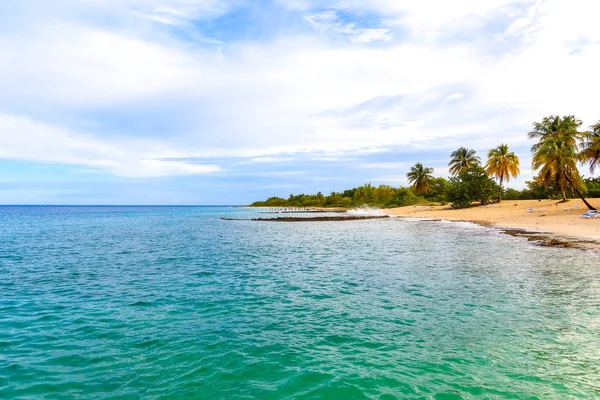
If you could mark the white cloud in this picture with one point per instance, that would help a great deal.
(177, 12)
(370, 35)
(23, 139)
(427, 19)
(329, 21)
(76, 66)
(261, 99)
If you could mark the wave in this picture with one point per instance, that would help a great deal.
(366, 211)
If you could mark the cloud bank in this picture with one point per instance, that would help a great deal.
(200, 88)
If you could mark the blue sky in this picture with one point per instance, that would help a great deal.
(230, 101)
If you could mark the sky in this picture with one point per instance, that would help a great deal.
(232, 101)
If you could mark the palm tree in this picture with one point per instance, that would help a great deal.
(461, 159)
(557, 162)
(590, 147)
(557, 127)
(420, 177)
(503, 165)
(556, 152)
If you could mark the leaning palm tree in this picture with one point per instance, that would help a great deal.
(556, 153)
(462, 158)
(557, 162)
(503, 165)
(420, 177)
(590, 147)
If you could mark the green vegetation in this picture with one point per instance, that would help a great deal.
(557, 152)
(420, 177)
(502, 164)
(462, 158)
(590, 147)
(560, 147)
(376, 196)
(471, 184)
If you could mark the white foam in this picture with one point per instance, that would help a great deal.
(366, 211)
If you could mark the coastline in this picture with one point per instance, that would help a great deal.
(289, 210)
(546, 222)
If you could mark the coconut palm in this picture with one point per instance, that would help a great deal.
(502, 164)
(556, 153)
(557, 127)
(461, 159)
(557, 161)
(420, 177)
(590, 147)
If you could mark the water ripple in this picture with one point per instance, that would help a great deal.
(175, 303)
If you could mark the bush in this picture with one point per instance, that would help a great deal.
(511, 194)
(472, 184)
(405, 197)
(593, 187)
(438, 192)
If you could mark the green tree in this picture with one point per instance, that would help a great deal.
(363, 194)
(590, 147)
(555, 126)
(405, 197)
(540, 191)
(512, 194)
(593, 187)
(462, 158)
(438, 190)
(420, 177)
(383, 195)
(471, 184)
(556, 153)
(503, 165)
(557, 162)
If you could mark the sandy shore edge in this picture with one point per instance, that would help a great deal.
(546, 223)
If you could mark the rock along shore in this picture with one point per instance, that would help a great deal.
(313, 219)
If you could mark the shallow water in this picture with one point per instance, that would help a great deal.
(172, 302)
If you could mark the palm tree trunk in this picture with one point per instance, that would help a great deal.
(500, 192)
(589, 206)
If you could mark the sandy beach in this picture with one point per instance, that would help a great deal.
(548, 217)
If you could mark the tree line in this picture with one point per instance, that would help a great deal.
(560, 147)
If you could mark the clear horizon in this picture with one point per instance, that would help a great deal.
(168, 102)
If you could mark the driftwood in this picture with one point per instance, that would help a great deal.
(312, 219)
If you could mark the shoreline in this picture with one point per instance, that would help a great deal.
(287, 210)
(546, 223)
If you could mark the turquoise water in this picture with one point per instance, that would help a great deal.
(173, 303)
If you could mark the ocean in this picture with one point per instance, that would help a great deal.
(175, 303)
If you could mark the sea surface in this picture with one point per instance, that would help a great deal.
(174, 303)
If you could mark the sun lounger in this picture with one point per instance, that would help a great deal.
(593, 214)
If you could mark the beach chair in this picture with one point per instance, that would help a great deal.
(530, 210)
(593, 214)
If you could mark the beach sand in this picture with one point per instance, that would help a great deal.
(549, 217)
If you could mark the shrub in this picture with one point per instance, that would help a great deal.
(472, 184)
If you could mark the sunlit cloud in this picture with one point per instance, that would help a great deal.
(138, 88)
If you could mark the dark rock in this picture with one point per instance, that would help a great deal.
(313, 219)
